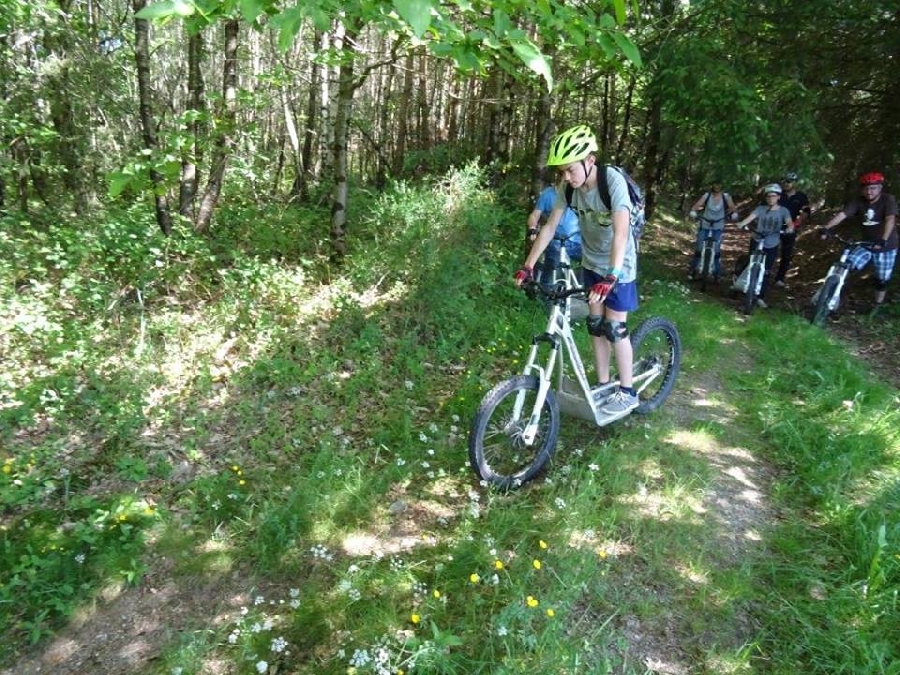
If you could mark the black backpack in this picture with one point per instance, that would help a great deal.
(638, 218)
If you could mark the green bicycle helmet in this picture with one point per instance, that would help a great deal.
(572, 145)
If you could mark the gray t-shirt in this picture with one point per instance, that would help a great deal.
(769, 223)
(596, 224)
(714, 211)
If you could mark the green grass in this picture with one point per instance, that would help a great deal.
(287, 443)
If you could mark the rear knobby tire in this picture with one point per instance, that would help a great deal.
(497, 452)
(821, 311)
(656, 341)
(750, 294)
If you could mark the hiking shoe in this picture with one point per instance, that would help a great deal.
(761, 303)
(779, 283)
(620, 403)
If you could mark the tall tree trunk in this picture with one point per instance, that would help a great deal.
(142, 60)
(495, 89)
(293, 137)
(626, 122)
(224, 141)
(545, 129)
(346, 88)
(193, 154)
(300, 187)
(402, 132)
(385, 132)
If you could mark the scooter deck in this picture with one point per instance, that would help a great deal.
(572, 402)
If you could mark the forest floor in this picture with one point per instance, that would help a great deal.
(867, 337)
(128, 628)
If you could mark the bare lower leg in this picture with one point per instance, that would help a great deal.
(601, 358)
(879, 296)
(624, 356)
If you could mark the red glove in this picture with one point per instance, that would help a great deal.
(603, 288)
(524, 274)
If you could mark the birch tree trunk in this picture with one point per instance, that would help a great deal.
(344, 108)
(193, 155)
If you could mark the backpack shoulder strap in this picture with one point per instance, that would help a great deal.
(603, 187)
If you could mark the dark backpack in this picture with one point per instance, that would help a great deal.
(638, 218)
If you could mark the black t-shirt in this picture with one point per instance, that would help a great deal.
(795, 203)
(873, 217)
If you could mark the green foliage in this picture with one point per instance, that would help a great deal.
(256, 417)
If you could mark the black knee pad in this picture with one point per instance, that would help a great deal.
(616, 331)
(595, 325)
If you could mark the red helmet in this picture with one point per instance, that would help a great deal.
(871, 178)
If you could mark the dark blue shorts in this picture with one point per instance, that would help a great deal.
(624, 296)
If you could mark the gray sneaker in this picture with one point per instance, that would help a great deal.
(620, 403)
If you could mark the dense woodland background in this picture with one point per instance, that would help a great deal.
(255, 265)
(208, 100)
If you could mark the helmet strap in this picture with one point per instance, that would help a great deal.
(587, 173)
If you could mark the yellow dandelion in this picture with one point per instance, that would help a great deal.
(415, 618)
(602, 553)
(542, 543)
(242, 482)
(551, 613)
(7, 468)
(531, 601)
(234, 467)
(498, 564)
(474, 578)
(536, 564)
(436, 593)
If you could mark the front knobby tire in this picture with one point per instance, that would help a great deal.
(497, 452)
(750, 294)
(656, 342)
(821, 311)
(705, 267)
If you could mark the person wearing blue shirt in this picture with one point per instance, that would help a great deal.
(568, 233)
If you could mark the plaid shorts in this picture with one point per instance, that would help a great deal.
(882, 260)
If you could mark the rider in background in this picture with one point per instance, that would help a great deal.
(798, 204)
(771, 218)
(878, 212)
(567, 230)
(609, 256)
(715, 206)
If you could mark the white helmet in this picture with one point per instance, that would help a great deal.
(772, 187)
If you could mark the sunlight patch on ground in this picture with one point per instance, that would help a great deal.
(408, 528)
(692, 574)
